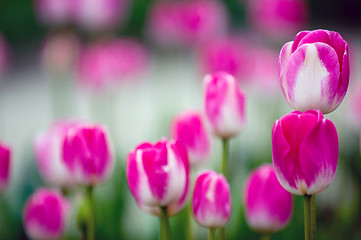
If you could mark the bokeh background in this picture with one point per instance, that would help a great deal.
(50, 69)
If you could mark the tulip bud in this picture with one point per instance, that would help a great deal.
(87, 153)
(47, 148)
(267, 204)
(314, 70)
(305, 152)
(224, 104)
(45, 214)
(158, 176)
(211, 204)
(189, 129)
(5, 158)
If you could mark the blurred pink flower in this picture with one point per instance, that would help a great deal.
(184, 23)
(47, 148)
(106, 63)
(268, 205)
(87, 153)
(100, 14)
(211, 201)
(158, 176)
(5, 165)
(189, 128)
(305, 152)
(279, 19)
(5, 55)
(55, 11)
(60, 51)
(45, 214)
(224, 104)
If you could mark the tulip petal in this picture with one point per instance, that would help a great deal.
(312, 75)
(282, 63)
(317, 36)
(298, 39)
(319, 156)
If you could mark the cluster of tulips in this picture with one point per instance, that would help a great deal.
(314, 76)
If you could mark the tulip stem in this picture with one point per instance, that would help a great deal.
(164, 224)
(310, 216)
(265, 236)
(225, 146)
(91, 219)
(222, 233)
(189, 232)
(212, 234)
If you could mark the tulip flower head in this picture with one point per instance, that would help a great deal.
(5, 159)
(158, 176)
(47, 148)
(189, 128)
(45, 214)
(314, 70)
(211, 202)
(224, 104)
(87, 153)
(305, 152)
(267, 204)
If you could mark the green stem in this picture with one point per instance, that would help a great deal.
(164, 224)
(189, 232)
(212, 234)
(222, 233)
(309, 202)
(265, 236)
(225, 146)
(91, 220)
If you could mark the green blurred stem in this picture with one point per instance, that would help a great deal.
(189, 232)
(164, 224)
(222, 234)
(91, 220)
(225, 146)
(265, 236)
(309, 202)
(212, 234)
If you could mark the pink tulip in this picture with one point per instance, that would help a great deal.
(229, 54)
(224, 104)
(267, 204)
(184, 23)
(305, 152)
(45, 214)
(158, 176)
(87, 153)
(106, 63)
(211, 204)
(59, 52)
(188, 128)
(100, 14)
(55, 11)
(5, 162)
(278, 19)
(314, 70)
(47, 148)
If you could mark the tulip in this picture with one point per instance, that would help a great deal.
(314, 70)
(87, 153)
(278, 19)
(45, 214)
(158, 178)
(55, 11)
(188, 128)
(268, 205)
(224, 104)
(305, 152)
(186, 23)
(5, 158)
(47, 148)
(211, 201)
(5, 55)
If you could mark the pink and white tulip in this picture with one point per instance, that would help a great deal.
(305, 152)
(314, 70)
(45, 214)
(55, 11)
(278, 19)
(158, 176)
(106, 63)
(211, 203)
(268, 205)
(48, 153)
(87, 153)
(188, 128)
(5, 164)
(224, 104)
(184, 23)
